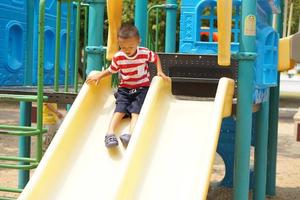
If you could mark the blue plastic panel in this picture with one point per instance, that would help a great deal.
(269, 6)
(50, 34)
(260, 95)
(267, 57)
(12, 42)
(225, 149)
(198, 27)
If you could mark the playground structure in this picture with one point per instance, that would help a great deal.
(256, 51)
(22, 74)
(15, 37)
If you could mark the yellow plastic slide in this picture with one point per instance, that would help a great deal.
(173, 146)
(77, 165)
(170, 155)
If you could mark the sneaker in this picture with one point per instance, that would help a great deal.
(125, 138)
(111, 141)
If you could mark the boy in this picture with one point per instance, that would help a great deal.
(132, 64)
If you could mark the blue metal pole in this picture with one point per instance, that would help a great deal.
(246, 56)
(24, 142)
(140, 17)
(171, 26)
(261, 147)
(95, 36)
(68, 43)
(273, 122)
(25, 108)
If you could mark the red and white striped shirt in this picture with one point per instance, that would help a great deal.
(134, 70)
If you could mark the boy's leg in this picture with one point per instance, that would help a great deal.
(134, 109)
(134, 117)
(117, 117)
(110, 138)
(125, 138)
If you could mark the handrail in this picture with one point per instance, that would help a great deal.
(157, 7)
(68, 41)
(57, 46)
(28, 163)
(86, 13)
(13, 158)
(14, 190)
(26, 98)
(77, 51)
(20, 130)
(41, 39)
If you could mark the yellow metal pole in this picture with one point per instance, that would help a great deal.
(114, 14)
(224, 9)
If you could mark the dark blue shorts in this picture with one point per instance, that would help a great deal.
(130, 100)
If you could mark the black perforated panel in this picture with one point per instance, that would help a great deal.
(195, 75)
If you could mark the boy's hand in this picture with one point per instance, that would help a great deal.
(59, 115)
(161, 74)
(94, 79)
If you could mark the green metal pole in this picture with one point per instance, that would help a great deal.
(25, 107)
(171, 26)
(140, 16)
(68, 47)
(157, 29)
(261, 147)
(95, 35)
(244, 100)
(57, 46)
(77, 51)
(273, 121)
(41, 40)
(85, 41)
(148, 42)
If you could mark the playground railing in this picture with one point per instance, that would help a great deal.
(149, 39)
(27, 163)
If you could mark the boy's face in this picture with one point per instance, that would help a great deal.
(129, 45)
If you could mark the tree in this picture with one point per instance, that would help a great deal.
(128, 16)
(296, 15)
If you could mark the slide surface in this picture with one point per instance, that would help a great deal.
(170, 155)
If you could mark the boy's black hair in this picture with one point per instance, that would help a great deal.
(128, 31)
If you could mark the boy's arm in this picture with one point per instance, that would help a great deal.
(95, 78)
(159, 69)
(52, 109)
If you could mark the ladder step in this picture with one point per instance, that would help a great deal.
(27, 98)
(20, 130)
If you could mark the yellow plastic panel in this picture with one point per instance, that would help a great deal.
(114, 13)
(284, 54)
(173, 146)
(224, 11)
(295, 47)
(77, 165)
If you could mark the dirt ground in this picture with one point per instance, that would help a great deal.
(288, 160)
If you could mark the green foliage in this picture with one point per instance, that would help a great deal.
(128, 16)
(296, 15)
(128, 11)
